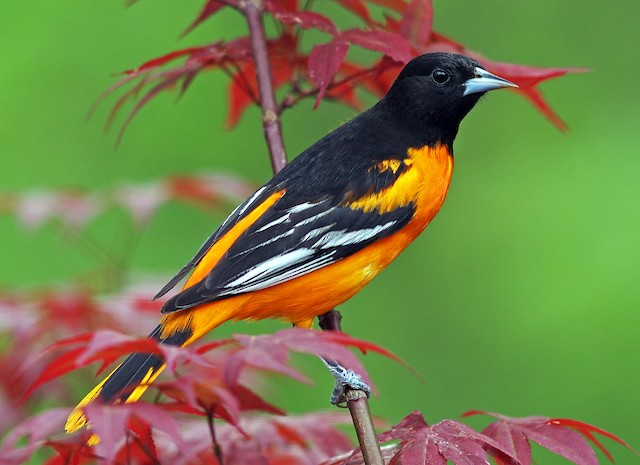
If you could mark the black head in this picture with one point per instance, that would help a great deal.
(434, 92)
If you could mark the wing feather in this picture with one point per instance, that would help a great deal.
(286, 244)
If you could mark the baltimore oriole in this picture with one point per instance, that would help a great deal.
(324, 226)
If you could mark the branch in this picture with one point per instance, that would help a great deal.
(363, 424)
(356, 400)
(252, 10)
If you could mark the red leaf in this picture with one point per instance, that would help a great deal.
(243, 91)
(59, 366)
(210, 8)
(144, 433)
(557, 435)
(324, 61)
(302, 19)
(356, 7)
(109, 345)
(345, 93)
(447, 440)
(514, 441)
(162, 60)
(110, 423)
(168, 82)
(388, 43)
(16, 450)
(588, 431)
(417, 21)
(272, 352)
(104, 346)
(206, 190)
(395, 5)
(527, 78)
(250, 401)
(70, 453)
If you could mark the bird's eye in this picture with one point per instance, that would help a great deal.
(440, 76)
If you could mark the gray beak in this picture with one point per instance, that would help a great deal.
(485, 81)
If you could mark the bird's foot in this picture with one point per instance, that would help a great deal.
(344, 379)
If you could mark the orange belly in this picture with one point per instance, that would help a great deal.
(425, 184)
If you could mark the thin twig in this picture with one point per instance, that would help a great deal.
(298, 94)
(217, 451)
(270, 115)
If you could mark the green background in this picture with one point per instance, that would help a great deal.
(522, 297)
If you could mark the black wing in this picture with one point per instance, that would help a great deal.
(236, 215)
(310, 226)
(286, 243)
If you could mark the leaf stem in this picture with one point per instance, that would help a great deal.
(271, 125)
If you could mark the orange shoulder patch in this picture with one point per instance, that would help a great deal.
(426, 169)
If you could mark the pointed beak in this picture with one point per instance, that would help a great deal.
(485, 81)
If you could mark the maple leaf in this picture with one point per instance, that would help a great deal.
(396, 40)
(302, 19)
(271, 352)
(210, 8)
(388, 43)
(30, 435)
(446, 440)
(416, 23)
(243, 90)
(324, 61)
(559, 435)
(110, 423)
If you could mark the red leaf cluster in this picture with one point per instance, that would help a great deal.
(215, 386)
(326, 70)
(220, 383)
(241, 353)
(76, 208)
(31, 320)
(567, 438)
(435, 445)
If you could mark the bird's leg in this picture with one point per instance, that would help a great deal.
(344, 378)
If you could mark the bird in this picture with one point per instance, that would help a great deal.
(325, 225)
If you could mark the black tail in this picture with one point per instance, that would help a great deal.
(129, 381)
(137, 368)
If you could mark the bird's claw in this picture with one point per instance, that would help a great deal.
(344, 379)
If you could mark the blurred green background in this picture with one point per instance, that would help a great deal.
(522, 297)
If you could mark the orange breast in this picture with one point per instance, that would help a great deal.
(425, 184)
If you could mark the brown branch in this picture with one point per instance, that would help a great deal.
(357, 402)
(363, 424)
(252, 10)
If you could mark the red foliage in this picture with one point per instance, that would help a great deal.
(560, 435)
(406, 33)
(75, 208)
(241, 352)
(447, 440)
(219, 380)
